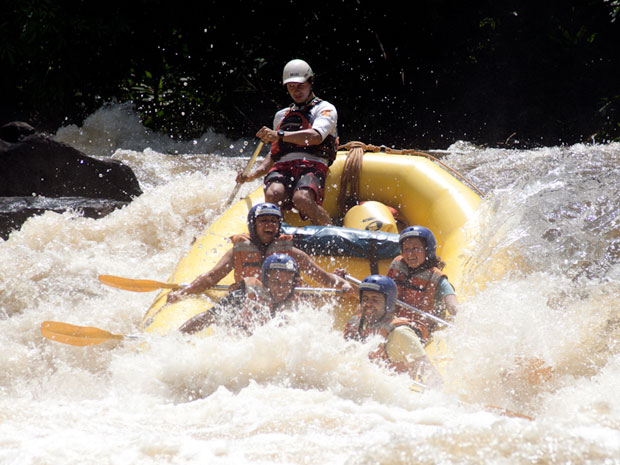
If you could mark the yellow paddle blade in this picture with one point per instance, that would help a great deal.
(76, 335)
(135, 285)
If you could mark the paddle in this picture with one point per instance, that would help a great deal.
(148, 285)
(136, 285)
(420, 387)
(246, 171)
(505, 411)
(405, 305)
(79, 335)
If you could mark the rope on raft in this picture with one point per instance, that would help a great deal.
(349, 194)
(349, 180)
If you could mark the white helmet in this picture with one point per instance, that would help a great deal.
(296, 71)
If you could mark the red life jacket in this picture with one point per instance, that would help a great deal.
(353, 331)
(417, 290)
(297, 120)
(248, 258)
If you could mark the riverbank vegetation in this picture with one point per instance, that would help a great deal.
(496, 73)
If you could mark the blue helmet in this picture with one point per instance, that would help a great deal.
(261, 209)
(382, 284)
(279, 261)
(422, 233)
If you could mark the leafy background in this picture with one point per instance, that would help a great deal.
(518, 73)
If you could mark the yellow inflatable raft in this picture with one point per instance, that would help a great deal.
(419, 188)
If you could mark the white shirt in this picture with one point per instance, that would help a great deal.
(325, 123)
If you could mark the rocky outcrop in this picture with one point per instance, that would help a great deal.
(33, 165)
(15, 131)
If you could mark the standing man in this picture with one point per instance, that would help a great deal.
(304, 142)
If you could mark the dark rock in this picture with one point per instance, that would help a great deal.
(37, 165)
(15, 131)
(35, 169)
(14, 211)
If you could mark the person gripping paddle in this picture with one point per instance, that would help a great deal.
(304, 141)
(250, 250)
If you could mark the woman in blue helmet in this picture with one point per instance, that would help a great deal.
(402, 350)
(420, 281)
(250, 250)
(252, 302)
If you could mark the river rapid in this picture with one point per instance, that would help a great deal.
(298, 393)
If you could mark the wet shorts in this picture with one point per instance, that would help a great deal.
(299, 174)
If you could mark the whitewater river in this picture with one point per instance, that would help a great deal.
(298, 394)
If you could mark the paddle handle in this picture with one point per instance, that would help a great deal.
(246, 171)
(318, 290)
(405, 305)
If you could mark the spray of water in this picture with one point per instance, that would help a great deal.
(296, 391)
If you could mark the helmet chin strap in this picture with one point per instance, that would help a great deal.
(307, 101)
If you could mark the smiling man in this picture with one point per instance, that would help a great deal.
(249, 251)
(400, 349)
(252, 302)
(304, 140)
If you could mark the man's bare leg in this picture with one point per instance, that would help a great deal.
(275, 193)
(305, 202)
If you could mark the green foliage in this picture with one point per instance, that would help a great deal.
(168, 102)
(615, 9)
(609, 115)
(480, 72)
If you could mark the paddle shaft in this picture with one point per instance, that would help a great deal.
(148, 285)
(405, 305)
(301, 290)
(246, 171)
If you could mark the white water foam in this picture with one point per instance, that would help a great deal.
(296, 392)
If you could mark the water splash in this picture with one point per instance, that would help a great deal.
(299, 393)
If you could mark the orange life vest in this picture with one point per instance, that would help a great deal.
(417, 290)
(353, 331)
(297, 120)
(248, 258)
